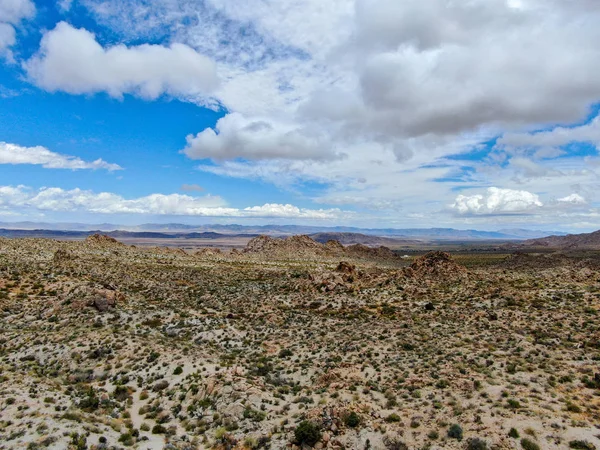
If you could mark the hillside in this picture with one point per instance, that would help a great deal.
(108, 346)
(584, 241)
(359, 238)
(302, 247)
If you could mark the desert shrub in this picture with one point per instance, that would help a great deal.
(285, 352)
(90, 400)
(513, 433)
(528, 444)
(158, 429)
(121, 393)
(307, 433)
(571, 407)
(178, 370)
(352, 420)
(394, 443)
(477, 444)
(582, 445)
(78, 442)
(126, 439)
(393, 417)
(455, 431)
(254, 415)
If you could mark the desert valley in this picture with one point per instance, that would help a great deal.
(289, 343)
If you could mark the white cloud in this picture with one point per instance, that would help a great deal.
(574, 199)
(290, 211)
(15, 154)
(65, 5)
(497, 201)
(11, 13)
(547, 141)
(395, 86)
(237, 137)
(7, 39)
(16, 199)
(71, 60)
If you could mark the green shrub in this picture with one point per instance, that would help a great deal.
(571, 407)
(78, 442)
(352, 420)
(393, 417)
(582, 445)
(433, 434)
(455, 431)
(158, 429)
(178, 370)
(513, 433)
(126, 439)
(285, 352)
(528, 444)
(307, 433)
(477, 444)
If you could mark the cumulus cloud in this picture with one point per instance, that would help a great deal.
(395, 86)
(497, 201)
(22, 198)
(573, 199)
(290, 211)
(71, 60)
(11, 13)
(237, 137)
(15, 154)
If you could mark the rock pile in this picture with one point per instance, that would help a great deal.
(437, 266)
(98, 297)
(101, 240)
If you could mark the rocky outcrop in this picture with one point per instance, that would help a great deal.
(303, 246)
(101, 298)
(300, 245)
(101, 240)
(437, 266)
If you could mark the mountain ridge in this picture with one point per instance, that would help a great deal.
(285, 230)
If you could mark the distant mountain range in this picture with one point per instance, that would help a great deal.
(117, 234)
(347, 235)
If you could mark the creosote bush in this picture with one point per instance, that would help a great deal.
(307, 433)
(455, 431)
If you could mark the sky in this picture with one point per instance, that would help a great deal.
(376, 113)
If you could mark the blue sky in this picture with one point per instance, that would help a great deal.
(356, 112)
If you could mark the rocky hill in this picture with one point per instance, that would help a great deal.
(439, 266)
(584, 241)
(302, 246)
